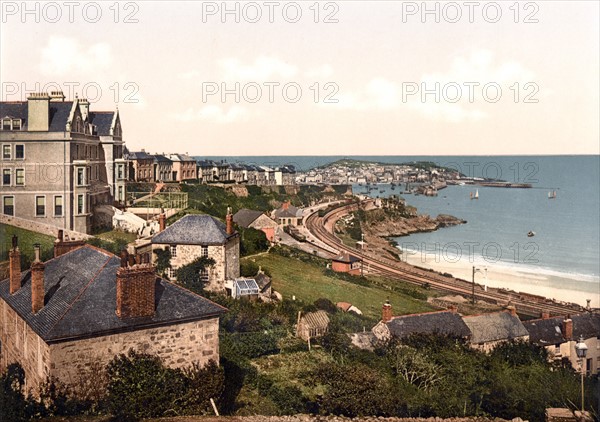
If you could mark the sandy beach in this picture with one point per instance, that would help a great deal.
(566, 288)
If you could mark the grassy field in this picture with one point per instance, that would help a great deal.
(308, 283)
(115, 235)
(26, 241)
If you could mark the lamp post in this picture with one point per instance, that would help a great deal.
(475, 270)
(581, 350)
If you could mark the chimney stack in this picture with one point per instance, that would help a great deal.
(567, 328)
(162, 222)
(453, 308)
(136, 283)
(386, 312)
(545, 315)
(229, 222)
(38, 112)
(37, 281)
(285, 205)
(14, 258)
(62, 246)
(510, 308)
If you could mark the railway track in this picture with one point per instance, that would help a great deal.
(322, 229)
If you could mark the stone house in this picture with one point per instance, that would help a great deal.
(440, 322)
(60, 161)
(205, 171)
(559, 335)
(68, 317)
(489, 330)
(257, 220)
(194, 236)
(312, 324)
(141, 166)
(288, 215)
(346, 263)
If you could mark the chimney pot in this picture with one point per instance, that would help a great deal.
(36, 249)
(61, 234)
(545, 315)
(124, 258)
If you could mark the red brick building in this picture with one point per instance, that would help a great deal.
(346, 263)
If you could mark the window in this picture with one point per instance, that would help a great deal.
(20, 177)
(173, 249)
(16, 124)
(204, 251)
(119, 172)
(80, 176)
(19, 152)
(204, 276)
(8, 205)
(79, 204)
(120, 198)
(6, 124)
(6, 152)
(40, 206)
(58, 206)
(6, 176)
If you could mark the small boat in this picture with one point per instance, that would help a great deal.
(476, 196)
(552, 195)
(531, 233)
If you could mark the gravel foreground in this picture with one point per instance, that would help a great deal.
(309, 418)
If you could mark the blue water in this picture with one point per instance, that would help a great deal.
(567, 229)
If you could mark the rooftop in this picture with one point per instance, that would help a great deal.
(194, 229)
(443, 322)
(494, 326)
(550, 331)
(245, 217)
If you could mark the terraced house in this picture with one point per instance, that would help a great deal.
(60, 161)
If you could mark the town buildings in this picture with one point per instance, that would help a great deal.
(257, 220)
(288, 215)
(68, 317)
(489, 330)
(184, 167)
(559, 335)
(194, 236)
(346, 263)
(141, 166)
(60, 161)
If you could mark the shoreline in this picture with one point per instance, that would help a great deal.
(507, 277)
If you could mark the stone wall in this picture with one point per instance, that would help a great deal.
(21, 344)
(42, 228)
(177, 345)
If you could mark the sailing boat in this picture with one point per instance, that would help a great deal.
(476, 196)
(552, 195)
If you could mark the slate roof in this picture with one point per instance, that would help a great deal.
(59, 113)
(161, 158)
(443, 322)
(80, 299)
(346, 258)
(140, 155)
(194, 229)
(290, 211)
(103, 121)
(549, 331)
(494, 326)
(245, 217)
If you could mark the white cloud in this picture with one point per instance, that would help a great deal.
(262, 69)
(453, 102)
(319, 72)
(63, 55)
(213, 113)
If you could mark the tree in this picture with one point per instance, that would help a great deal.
(189, 275)
(414, 366)
(163, 260)
(13, 404)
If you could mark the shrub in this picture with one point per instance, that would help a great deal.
(248, 268)
(13, 404)
(140, 386)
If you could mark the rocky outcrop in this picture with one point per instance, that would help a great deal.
(379, 223)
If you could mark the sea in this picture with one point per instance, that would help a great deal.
(520, 229)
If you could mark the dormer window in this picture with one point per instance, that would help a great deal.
(16, 124)
(6, 124)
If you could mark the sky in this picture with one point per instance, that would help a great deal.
(319, 78)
